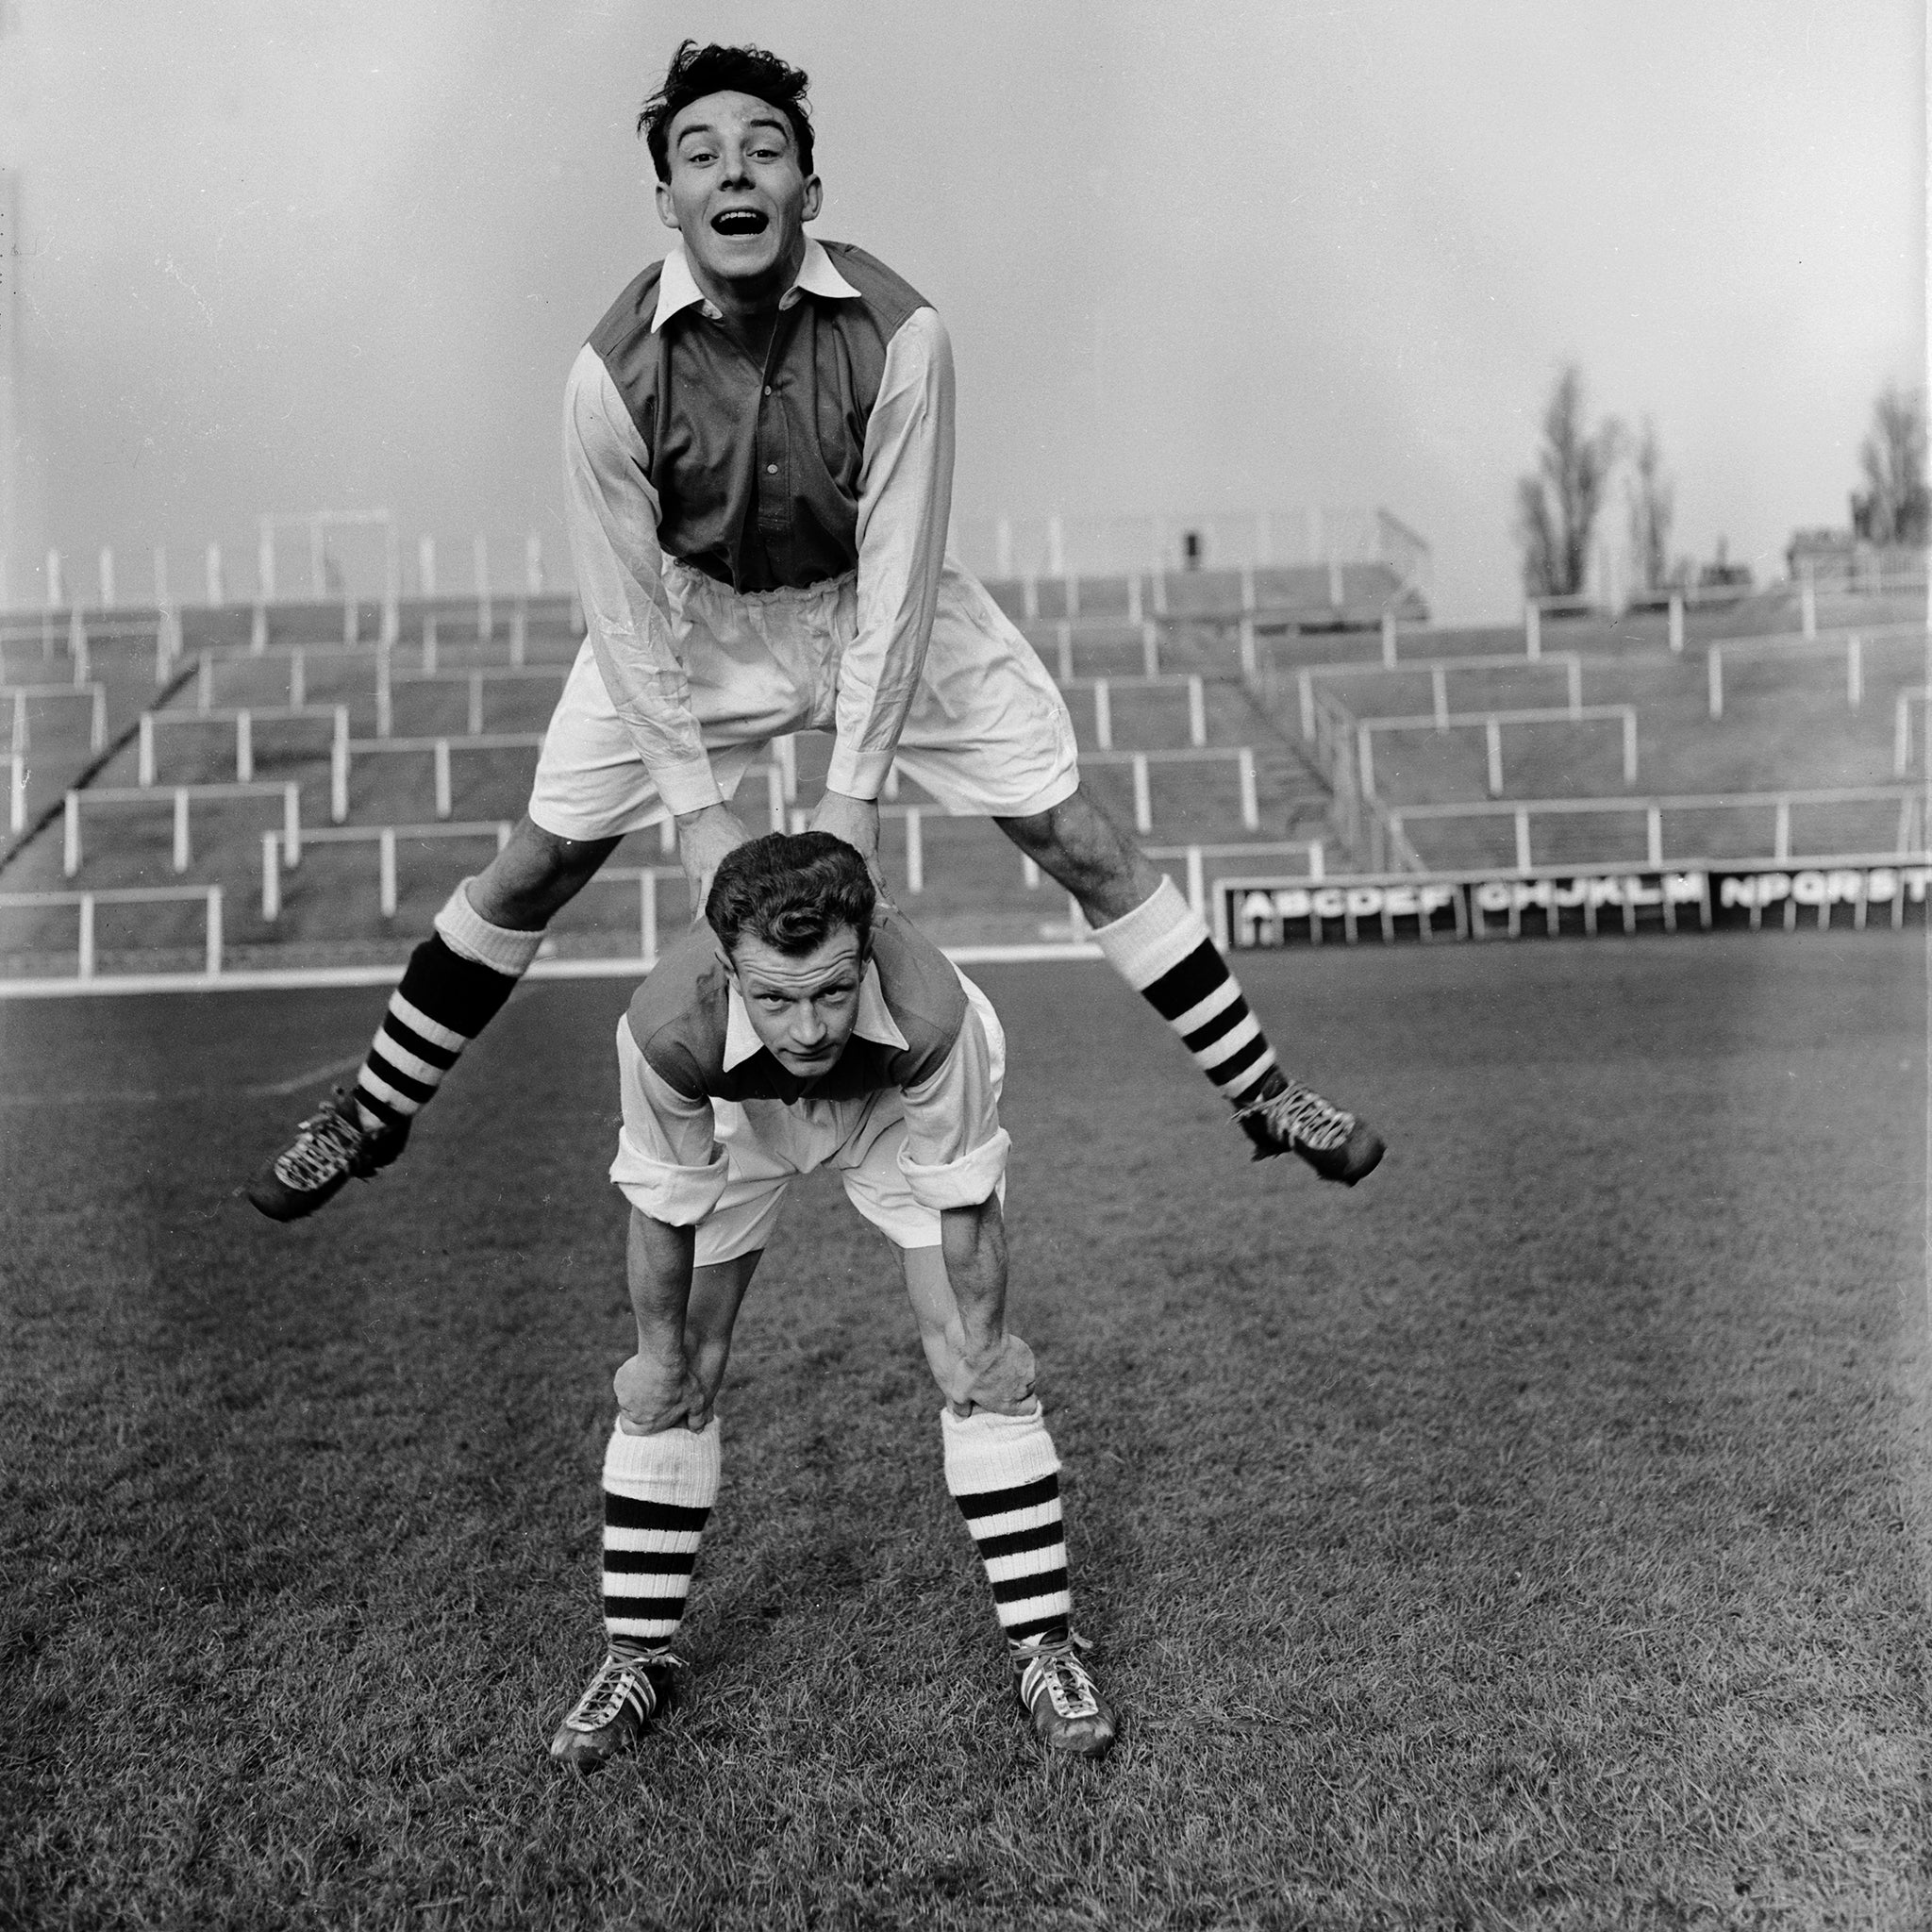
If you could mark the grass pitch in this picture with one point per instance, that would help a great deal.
(1536, 1537)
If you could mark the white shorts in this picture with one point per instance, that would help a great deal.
(766, 1142)
(987, 734)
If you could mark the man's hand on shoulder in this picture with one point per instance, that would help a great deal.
(704, 837)
(856, 822)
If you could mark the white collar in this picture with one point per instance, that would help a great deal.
(874, 1022)
(677, 287)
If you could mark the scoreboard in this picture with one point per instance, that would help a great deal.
(1552, 902)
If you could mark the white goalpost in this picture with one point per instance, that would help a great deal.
(340, 551)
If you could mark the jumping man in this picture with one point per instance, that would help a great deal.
(758, 463)
(809, 1025)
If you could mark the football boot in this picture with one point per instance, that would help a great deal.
(628, 1690)
(330, 1146)
(1058, 1693)
(1296, 1121)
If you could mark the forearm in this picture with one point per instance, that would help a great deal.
(974, 1243)
(660, 1258)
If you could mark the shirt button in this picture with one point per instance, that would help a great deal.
(768, 389)
(771, 469)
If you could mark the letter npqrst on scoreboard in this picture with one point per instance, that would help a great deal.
(1599, 902)
(1850, 896)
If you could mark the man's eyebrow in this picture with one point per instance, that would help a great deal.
(832, 981)
(776, 121)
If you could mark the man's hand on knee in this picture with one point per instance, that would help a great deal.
(856, 822)
(704, 837)
(653, 1396)
(998, 1376)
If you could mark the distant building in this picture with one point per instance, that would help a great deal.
(1824, 555)
(1842, 560)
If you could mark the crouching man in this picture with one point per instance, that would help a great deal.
(808, 1026)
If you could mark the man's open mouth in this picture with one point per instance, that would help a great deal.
(741, 221)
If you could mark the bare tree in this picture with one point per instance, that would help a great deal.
(1895, 509)
(1651, 499)
(1557, 509)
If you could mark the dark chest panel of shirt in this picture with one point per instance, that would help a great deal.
(758, 462)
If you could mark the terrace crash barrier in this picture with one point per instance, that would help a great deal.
(1551, 902)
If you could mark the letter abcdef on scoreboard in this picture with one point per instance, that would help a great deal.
(1850, 894)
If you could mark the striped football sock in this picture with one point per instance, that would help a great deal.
(1163, 950)
(658, 1492)
(1005, 1478)
(456, 981)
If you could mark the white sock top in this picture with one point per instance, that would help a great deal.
(1153, 938)
(465, 931)
(988, 1451)
(678, 1466)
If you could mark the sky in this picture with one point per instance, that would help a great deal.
(277, 256)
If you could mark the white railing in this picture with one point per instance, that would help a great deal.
(345, 748)
(94, 696)
(1057, 547)
(128, 895)
(181, 797)
(1140, 764)
(475, 682)
(159, 630)
(1243, 597)
(243, 719)
(1362, 819)
(1910, 834)
(1569, 662)
(275, 860)
(1067, 634)
(645, 879)
(1491, 724)
(1103, 688)
(1901, 727)
(379, 658)
(1850, 645)
(1676, 603)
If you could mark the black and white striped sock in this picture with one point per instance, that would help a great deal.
(454, 984)
(658, 1492)
(1163, 950)
(1002, 1472)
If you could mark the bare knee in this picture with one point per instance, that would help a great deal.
(524, 887)
(1078, 844)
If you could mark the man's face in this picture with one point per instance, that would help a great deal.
(803, 1005)
(737, 193)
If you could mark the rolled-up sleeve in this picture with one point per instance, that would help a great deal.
(955, 1151)
(611, 511)
(669, 1164)
(905, 501)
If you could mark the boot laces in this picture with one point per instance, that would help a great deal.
(621, 1678)
(1296, 1117)
(1054, 1664)
(325, 1145)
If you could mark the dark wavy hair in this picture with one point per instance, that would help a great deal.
(792, 890)
(696, 72)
